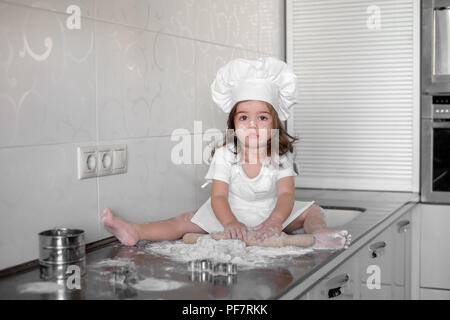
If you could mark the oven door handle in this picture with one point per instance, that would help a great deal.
(443, 124)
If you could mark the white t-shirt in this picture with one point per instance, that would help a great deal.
(251, 199)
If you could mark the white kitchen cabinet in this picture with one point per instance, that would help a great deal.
(434, 294)
(390, 250)
(340, 284)
(377, 253)
(434, 246)
(384, 293)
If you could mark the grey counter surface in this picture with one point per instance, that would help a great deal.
(103, 281)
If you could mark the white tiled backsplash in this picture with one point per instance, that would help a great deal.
(132, 73)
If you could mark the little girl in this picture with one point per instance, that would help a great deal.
(252, 191)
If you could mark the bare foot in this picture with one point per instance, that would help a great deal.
(123, 230)
(329, 239)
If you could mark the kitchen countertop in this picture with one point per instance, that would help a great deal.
(269, 282)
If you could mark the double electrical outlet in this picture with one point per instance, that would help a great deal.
(97, 161)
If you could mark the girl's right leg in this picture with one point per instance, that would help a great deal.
(130, 233)
(313, 221)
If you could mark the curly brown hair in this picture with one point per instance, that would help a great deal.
(286, 141)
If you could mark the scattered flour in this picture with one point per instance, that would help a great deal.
(125, 275)
(118, 262)
(40, 287)
(234, 251)
(154, 284)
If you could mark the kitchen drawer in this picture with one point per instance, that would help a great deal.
(337, 285)
(434, 294)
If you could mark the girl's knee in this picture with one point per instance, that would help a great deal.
(313, 211)
(183, 220)
(315, 208)
(308, 211)
(188, 215)
(320, 210)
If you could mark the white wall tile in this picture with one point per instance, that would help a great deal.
(46, 78)
(271, 40)
(86, 6)
(145, 82)
(201, 169)
(210, 58)
(154, 188)
(176, 17)
(228, 22)
(39, 190)
(133, 73)
(134, 13)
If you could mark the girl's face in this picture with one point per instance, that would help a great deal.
(253, 122)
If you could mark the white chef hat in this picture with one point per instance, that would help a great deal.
(268, 79)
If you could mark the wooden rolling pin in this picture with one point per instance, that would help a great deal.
(299, 240)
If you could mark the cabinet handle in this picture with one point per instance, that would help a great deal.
(376, 246)
(335, 284)
(403, 226)
(334, 292)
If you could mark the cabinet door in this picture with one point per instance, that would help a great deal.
(376, 260)
(390, 251)
(434, 246)
(401, 234)
(340, 284)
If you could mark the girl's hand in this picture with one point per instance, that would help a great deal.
(235, 230)
(268, 228)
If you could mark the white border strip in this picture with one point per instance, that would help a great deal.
(289, 51)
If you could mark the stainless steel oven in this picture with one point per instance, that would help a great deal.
(435, 101)
(435, 145)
